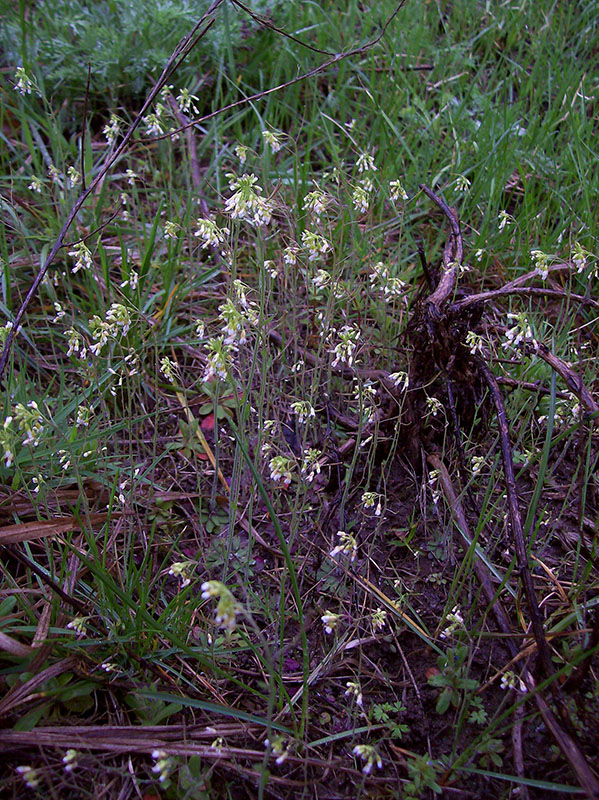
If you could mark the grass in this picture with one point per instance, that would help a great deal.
(240, 556)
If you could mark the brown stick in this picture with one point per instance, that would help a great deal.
(452, 257)
(571, 379)
(514, 517)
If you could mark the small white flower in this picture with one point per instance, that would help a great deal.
(368, 753)
(365, 163)
(227, 608)
(474, 342)
(70, 760)
(274, 139)
(311, 464)
(163, 765)
(315, 244)
(36, 185)
(29, 775)
(168, 369)
(303, 409)
(347, 546)
(316, 202)
(210, 234)
(24, 84)
(281, 470)
(113, 129)
(182, 570)
(79, 625)
(73, 175)
(579, 256)
(401, 380)
(361, 199)
(378, 619)
(397, 191)
(82, 255)
(241, 152)
(246, 202)
(509, 680)
(456, 621)
(330, 620)
(279, 748)
(541, 261)
(369, 499)
(187, 102)
(434, 405)
(353, 690)
(505, 220)
(344, 351)
(290, 256)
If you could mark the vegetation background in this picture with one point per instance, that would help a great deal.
(249, 485)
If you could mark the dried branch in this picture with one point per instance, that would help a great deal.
(571, 379)
(452, 257)
(514, 517)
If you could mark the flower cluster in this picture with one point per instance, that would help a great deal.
(117, 322)
(274, 139)
(241, 151)
(315, 244)
(79, 625)
(344, 350)
(316, 203)
(390, 286)
(218, 360)
(354, 690)
(24, 83)
(279, 748)
(373, 500)
(29, 775)
(397, 191)
(329, 619)
(29, 421)
(362, 191)
(82, 255)
(210, 234)
(401, 380)
(7, 442)
(162, 766)
(456, 622)
(509, 680)
(303, 409)
(474, 342)
(378, 619)
(70, 760)
(541, 261)
(227, 608)
(579, 257)
(347, 546)
(187, 102)
(505, 220)
(311, 464)
(246, 202)
(281, 469)
(368, 754)
(112, 129)
(520, 332)
(182, 570)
